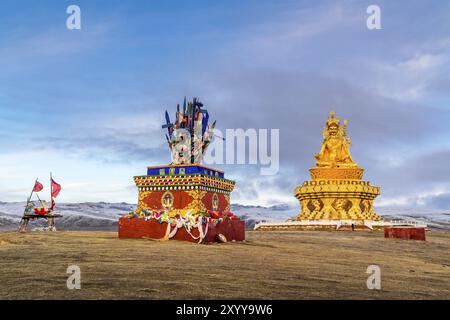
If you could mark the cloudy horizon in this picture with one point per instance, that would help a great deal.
(88, 104)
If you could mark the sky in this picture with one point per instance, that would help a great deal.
(87, 105)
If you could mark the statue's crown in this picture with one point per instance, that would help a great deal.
(332, 120)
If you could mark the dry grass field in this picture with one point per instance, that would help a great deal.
(269, 265)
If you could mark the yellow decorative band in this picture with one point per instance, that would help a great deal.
(336, 173)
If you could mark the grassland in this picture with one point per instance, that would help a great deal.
(269, 265)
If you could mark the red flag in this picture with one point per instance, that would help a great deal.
(37, 186)
(56, 188)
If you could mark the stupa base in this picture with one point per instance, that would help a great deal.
(323, 225)
(338, 225)
(138, 228)
(337, 199)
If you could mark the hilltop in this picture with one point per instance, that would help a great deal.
(269, 265)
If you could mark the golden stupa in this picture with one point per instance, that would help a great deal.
(336, 191)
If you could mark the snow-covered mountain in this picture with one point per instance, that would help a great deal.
(76, 216)
(434, 218)
(104, 216)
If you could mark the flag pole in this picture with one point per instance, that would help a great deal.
(42, 204)
(51, 191)
(29, 198)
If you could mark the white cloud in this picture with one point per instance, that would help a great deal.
(422, 198)
(112, 182)
(407, 80)
(421, 63)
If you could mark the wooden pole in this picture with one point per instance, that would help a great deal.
(23, 225)
(51, 191)
(50, 220)
(29, 198)
(42, 204)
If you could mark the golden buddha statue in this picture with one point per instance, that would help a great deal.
(335, 147)
(336, 191)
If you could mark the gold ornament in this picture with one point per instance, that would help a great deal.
(167, 200)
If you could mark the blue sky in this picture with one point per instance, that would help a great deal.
(88, 104)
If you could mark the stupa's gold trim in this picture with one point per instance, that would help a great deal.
(336, 173)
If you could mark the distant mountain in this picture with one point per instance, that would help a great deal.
(255, 214)
(434, 218)
(76, 216)
(104, 216)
